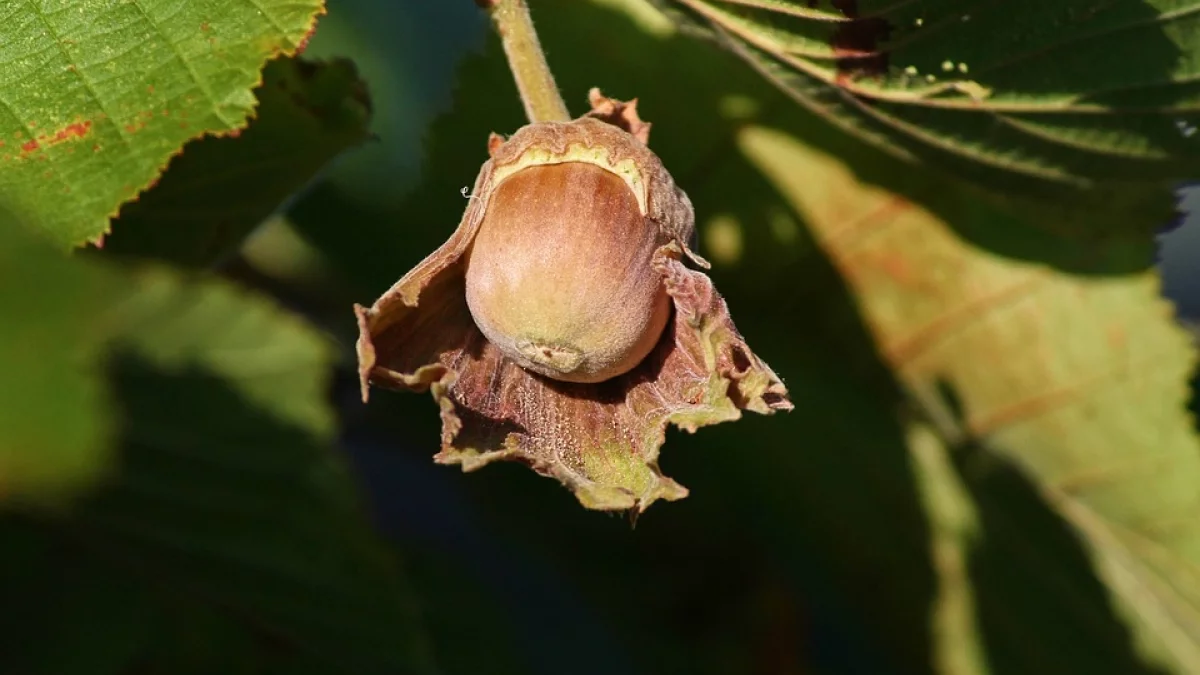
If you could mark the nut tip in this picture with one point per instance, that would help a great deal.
(560, 359)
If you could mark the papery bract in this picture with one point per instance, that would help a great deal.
(601, 439)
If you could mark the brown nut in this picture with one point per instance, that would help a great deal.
(560, 276)
(572, 234)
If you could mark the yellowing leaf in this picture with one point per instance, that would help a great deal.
(1080, 381)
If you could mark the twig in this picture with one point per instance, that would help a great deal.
(535, 82)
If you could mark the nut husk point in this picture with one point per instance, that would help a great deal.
(559, 326)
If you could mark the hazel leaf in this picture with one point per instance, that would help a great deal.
(220, 189)
(1091, 104)
(98, 95)
(1078, 381)
(56, 418)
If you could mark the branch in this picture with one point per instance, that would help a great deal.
(534, 80)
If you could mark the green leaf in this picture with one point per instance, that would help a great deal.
(56, 421)
(269, 357)
(98, 95)
(228, 487)
(1045, 100)
(67, 316)
(228, 503)
(224, 493)
(220, 189)
(1080, 382)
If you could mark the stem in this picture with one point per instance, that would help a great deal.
(534, 80)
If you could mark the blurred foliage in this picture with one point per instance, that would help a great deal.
(990, 468)
(222, 497)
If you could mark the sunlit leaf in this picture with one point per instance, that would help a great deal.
(56, 421)
(99, 94)
(1079, 381)
(220, 189)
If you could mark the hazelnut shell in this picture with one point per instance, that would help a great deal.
(560, 275)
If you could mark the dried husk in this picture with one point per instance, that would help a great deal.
(600, 440)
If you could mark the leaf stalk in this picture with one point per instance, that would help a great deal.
(535, 82)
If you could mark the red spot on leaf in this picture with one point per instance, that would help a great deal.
(76, 130)
(150, 88)
(71, 131)
(1117, 337)
(235, 133)
(897, 268)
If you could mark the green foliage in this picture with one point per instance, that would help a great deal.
(991, 468)
(56, 416)
(219, 484)
(1029, 99)
(99, 95)
(1090, 401)
(220, 189)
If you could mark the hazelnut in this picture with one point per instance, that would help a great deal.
(560, 275)
(569, 264)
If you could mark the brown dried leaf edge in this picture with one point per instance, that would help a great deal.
(600, 440)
